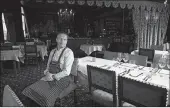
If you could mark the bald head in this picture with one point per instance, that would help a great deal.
(61, 40)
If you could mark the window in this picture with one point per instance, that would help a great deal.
(23, 21)
(4, 27)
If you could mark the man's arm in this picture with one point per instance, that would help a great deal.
(68, 61)
(49, 59)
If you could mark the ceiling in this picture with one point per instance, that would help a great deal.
(12, 4)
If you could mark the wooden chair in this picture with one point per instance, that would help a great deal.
(110, 55)
(102, 86)
(31, 53)
(97, 54)
(140, 94)
(79, 53)
(10, 99)
(5, 47)
(72, 86)
(157, 47)
(149, 53)
(139, 59)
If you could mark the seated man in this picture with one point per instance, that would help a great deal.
(47, 90)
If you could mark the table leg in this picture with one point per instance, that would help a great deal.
(1, 66)
(18, 64)
(15, 67)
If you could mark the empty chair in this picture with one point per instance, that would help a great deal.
(29, 40)
(157, 47)
(20, 43)
(102, 86)
(5, 47)
(79, 53)
(31, 53)
(147, 52)
(140, 94)
(110, 55)
(10, 99)
(8, 44)
(97, 54)
(139, 59)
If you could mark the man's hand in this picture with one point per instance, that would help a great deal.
(48, 77)
(46, 71)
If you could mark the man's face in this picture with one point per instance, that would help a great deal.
(61, 40)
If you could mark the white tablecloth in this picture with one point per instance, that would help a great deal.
(12, 55)
(157, 54)
(160, 78)
(166, 46)
(88, 49)
(41, 49)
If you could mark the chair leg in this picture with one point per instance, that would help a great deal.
(60, 103)
(120, 103)
(92, 103)
(75, 98)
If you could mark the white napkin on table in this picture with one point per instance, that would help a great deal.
(163, 71)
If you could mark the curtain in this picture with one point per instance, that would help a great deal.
(150, 26)
(9, 21)
(1, 29)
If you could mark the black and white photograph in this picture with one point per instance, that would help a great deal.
(84, 53)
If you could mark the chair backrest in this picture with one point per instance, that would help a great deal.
(5, 47)
(8, 44)
(10, 99)
(139, 59)
(30, 43)
(29, 40)
(102, 79)
(20, 43)
(141, 94)
(147, 52)
(30, 49)
(79, 53)
(110, 55)
(96, 54)
(157, 47)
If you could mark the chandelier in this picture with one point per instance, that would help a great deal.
(66, 15)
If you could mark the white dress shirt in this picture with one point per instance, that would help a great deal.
(66, 61)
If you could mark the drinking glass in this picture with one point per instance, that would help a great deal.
(132, 61)
(168, 63)
(119, 57)
(126, 57)
(162, 62)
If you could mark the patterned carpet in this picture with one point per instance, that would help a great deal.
(30, 74)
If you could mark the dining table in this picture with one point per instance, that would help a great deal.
(41, 49)
(89, 48)
(15, 55)
(153, 76)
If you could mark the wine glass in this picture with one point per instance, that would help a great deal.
(162, 62)
(132, 61)
(168, 63)
(119, 57)
(126, 57)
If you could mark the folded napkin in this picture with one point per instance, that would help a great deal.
(135, 73)
(118, 70)
(129, 65)
(147, 69)
(163, 71)
(162, 80)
